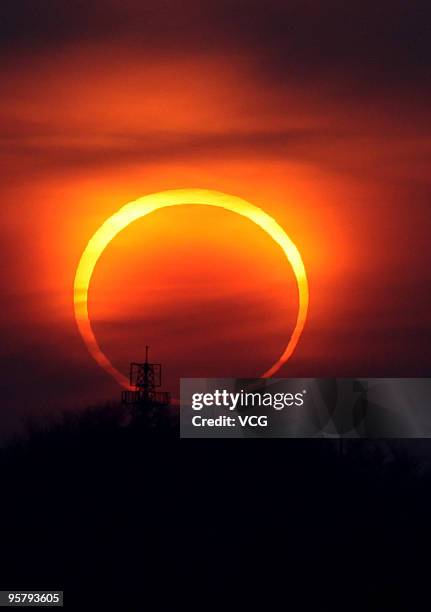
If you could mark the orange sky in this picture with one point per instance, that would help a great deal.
(334, 149)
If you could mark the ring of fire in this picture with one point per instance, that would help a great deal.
(176, 197)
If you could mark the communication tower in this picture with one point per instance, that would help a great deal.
(145, 378)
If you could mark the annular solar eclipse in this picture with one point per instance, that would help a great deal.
(149, 203)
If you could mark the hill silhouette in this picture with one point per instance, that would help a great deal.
(121, 514)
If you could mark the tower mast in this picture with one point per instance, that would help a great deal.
(145, 378)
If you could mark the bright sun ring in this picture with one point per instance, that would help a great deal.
(176, 197)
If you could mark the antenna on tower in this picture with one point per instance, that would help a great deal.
(145, 378)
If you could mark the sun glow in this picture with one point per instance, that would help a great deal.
(143, 206)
